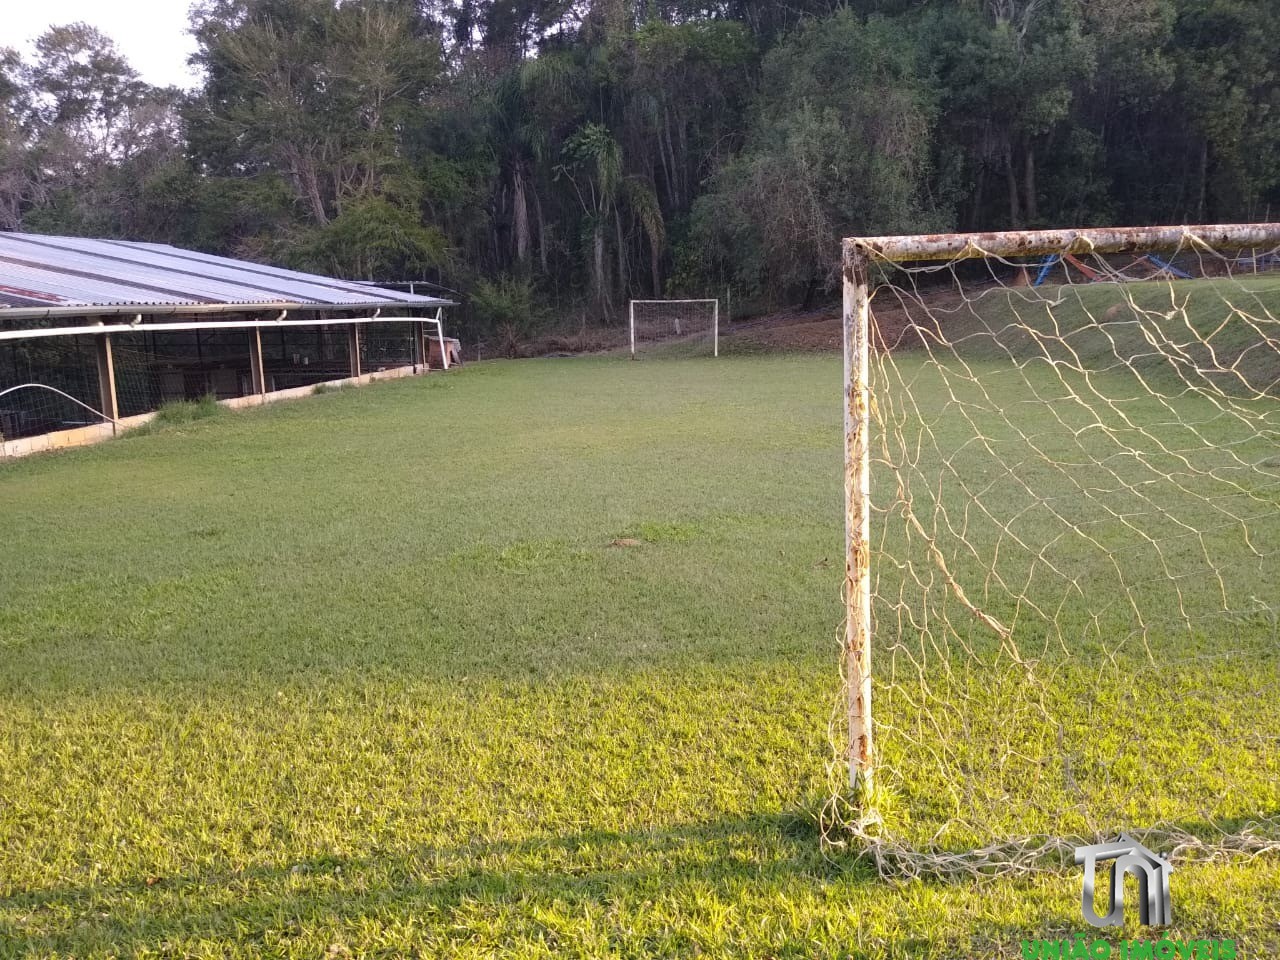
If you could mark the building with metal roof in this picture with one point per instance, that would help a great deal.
(44, 276)
(95, 334)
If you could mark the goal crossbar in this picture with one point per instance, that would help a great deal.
(1014, 243)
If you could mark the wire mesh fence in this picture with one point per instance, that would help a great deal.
(47, 385)
(157, 368)
(304, 356)
(389, 345)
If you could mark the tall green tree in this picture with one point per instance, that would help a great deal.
(315, 93)
(838, 145)
(95, 135)
(1228, 55)
(17, 182)
(1007, 74)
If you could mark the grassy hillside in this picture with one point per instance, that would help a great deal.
(1220, 333)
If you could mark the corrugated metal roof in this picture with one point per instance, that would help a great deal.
(66, 272)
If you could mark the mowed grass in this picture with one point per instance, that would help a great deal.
(364, 675)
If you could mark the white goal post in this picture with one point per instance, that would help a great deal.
(674, 319)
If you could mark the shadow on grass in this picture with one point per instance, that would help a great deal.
(612, 886)
(440, 889)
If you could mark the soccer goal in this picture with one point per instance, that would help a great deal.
(679, 326)
(1062, 579)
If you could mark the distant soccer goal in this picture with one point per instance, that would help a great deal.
(681, 327)
(1063, 544)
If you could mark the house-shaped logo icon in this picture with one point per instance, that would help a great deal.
(1155, 906)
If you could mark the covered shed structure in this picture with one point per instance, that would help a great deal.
(100, 333)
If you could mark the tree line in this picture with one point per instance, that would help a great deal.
(578, 153)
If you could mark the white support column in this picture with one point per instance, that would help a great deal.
(631, 312)
(715, 320)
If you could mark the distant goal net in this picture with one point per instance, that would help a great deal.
(1062, 590)
(675, 327)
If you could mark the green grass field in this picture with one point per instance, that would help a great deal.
(363, 675)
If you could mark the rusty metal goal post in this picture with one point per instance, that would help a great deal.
(1062, 503)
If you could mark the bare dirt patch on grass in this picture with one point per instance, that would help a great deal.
(819, 330)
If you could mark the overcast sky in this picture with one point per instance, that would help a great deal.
(152, 34)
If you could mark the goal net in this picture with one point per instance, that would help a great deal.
(675, 327)
(1063, 530)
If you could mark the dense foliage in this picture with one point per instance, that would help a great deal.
(583, 153)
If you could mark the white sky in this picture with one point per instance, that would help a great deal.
(152, 34)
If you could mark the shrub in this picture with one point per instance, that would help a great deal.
(328, 387)
(186, 411)
(506, 311)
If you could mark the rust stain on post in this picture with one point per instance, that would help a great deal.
(1017, 243)
(857, 489)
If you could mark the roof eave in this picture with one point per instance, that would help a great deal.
(170, 309)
